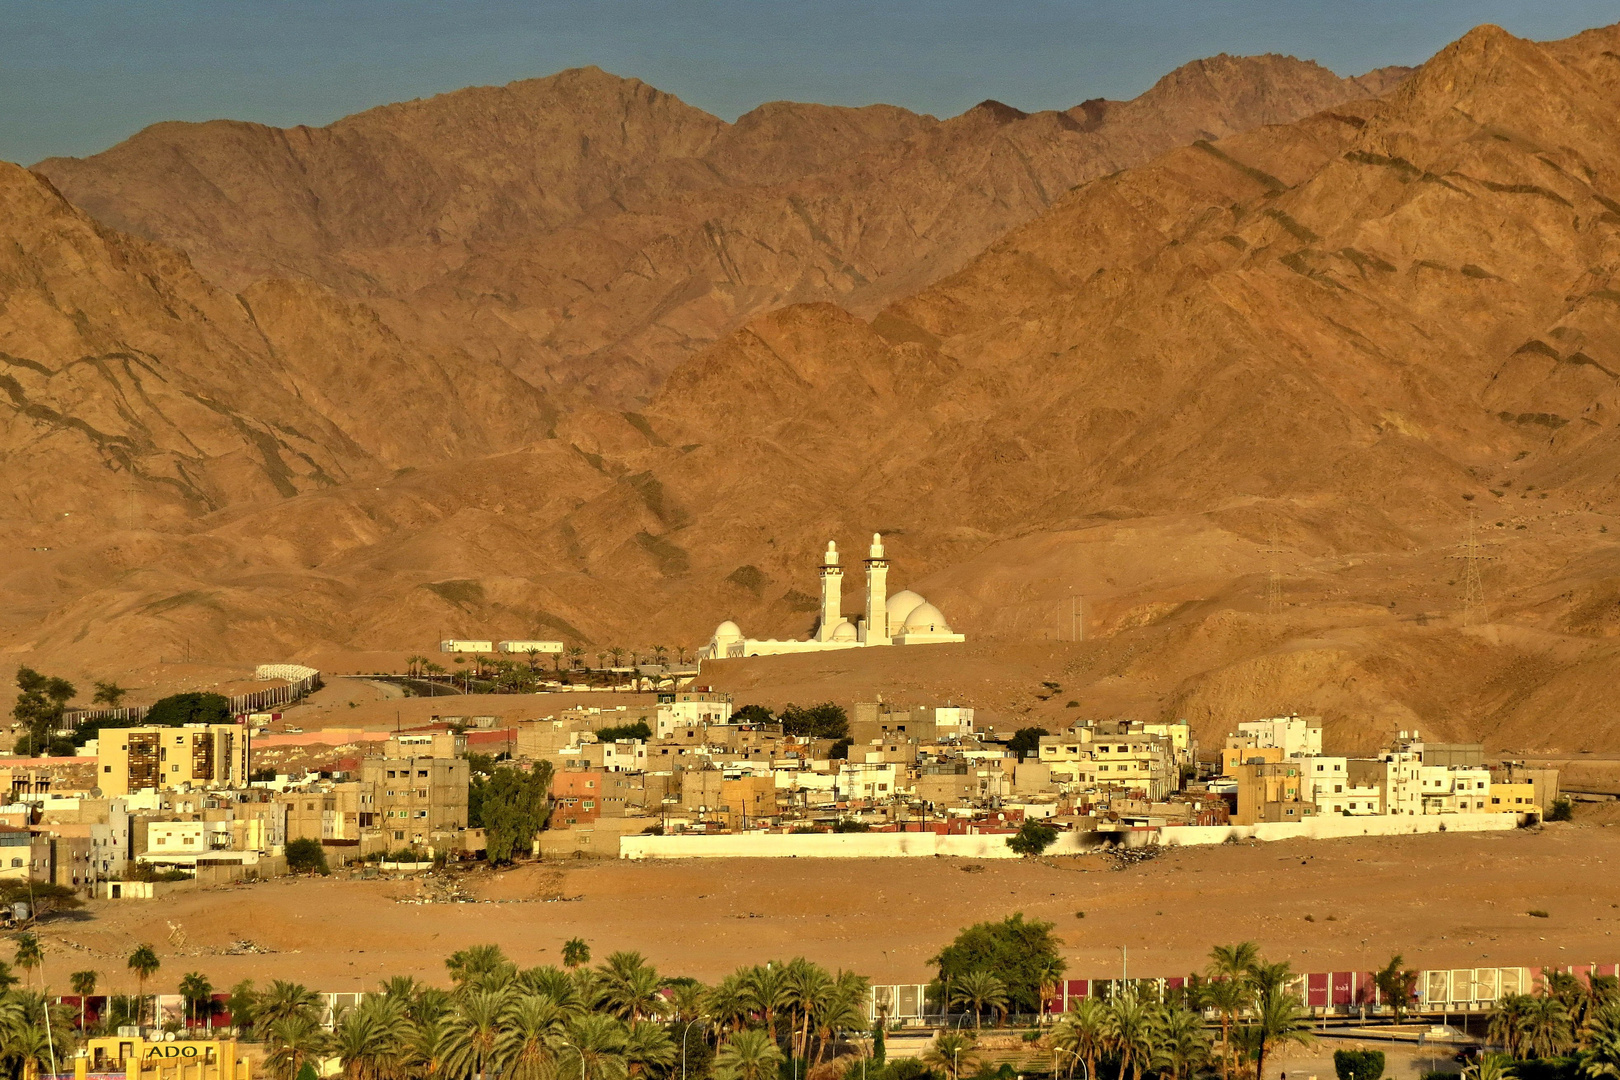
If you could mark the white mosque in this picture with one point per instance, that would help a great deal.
(902, 619)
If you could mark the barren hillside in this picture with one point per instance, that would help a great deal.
(593, 231)
(1308, 353)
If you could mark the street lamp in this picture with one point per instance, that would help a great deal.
(578, 1051)
(684, 1033)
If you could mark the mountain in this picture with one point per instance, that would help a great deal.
(1246, 401)
(589, 231)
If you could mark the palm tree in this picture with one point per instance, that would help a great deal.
(1228, 996)
(618, 656)
(29, 955)
(748, 1055)
(198, 993)
(1547, 1030)
(1490, 1067)
(727, 1005)
(601, 657)
(981, 990)
(1180, 1045)
(293, 1040)
(764, 989)
(242, 1005)
(1279, 1020)
(1506, 1028)
(283, 1001)
(1049, 975)
(844, 1009)
(1600, 1057)
(648, 1047)
(951, 1053)
(143, 961)
(1396, 986)
(808, 990)
(471, 1035)
(468, 964)
(1232, 961)
(597, 1043)
(373, 1041)
(1083, 1033)
(84, 985)
(1130, 1026)
(630, 986)
(532, 1026)
(574, 655)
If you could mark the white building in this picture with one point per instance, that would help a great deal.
(460, 645)
(525, 648)
(1326, 781)
(902, 619)
(1297, 736)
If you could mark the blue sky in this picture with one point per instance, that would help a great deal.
(77, 76)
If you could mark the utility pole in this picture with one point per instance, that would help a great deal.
(1273, 573)
(1474, 610)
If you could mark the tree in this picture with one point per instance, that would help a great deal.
(143, 961)
(373, 1041)
(951, 1052)
(598, 1048)
(198, 993)
(1490, 1067)
(1033, 837)
(29, 955)
(284, 1000)
(618, 656)
(647, 1046)
(1020, 953)
(1130, 1025)
(1547, 1028)
(108, 694)
(1562, 809)
(1279, 1020)
(637, 730)
(467, 966)
(471, 1034)
(1083, 1034)
(1397, 987)
(190, 708)
(295, 1042)
(752, 714)
(84, 985)
(41, 701)
(241, 1005)
(824, 721)
(980, 990)
(1228, 995)
(1180, 1046)
(575, 952)
(747, 1055)
(43, 898)
(630, 986)
(1600, 1056)
(1027, 741)
(1358, 1064)
(512, 807)
(306, 856)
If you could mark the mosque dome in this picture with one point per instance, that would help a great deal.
(900, 605)
(844, 631)
(926, 618)
(728, 631)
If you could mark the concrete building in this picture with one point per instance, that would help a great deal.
(466, 645)
(417, 801)
(530, 648)
(167, 758)
(1296, 736)
(1271, 791)
(696, 707)
(902, 619)
(1326, 782)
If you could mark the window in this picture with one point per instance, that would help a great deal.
(1337, 788)
(421, 772)
(107, 768)
(16, 862)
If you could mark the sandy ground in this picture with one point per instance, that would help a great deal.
(1440, 900)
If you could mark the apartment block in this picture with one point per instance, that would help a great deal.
(416, 801)
(165, 758)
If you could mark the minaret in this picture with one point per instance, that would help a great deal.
(877, 594)
(832, 589)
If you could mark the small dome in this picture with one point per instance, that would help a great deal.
(728, 631)
(900, 605)
(844, 631)
(926, 618)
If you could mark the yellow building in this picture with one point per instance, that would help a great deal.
(194, 755)
(1271, 791)
(137, 1059)
(1233, 756)
(1514, 798)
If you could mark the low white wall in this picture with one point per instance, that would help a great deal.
(927, 844)
(835, 846)
(1337, 826)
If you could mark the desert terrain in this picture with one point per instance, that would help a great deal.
(1239, 367)
(1439, 900)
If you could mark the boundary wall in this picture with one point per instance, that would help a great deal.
(994, 845)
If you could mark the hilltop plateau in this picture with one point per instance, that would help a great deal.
(1308, 352)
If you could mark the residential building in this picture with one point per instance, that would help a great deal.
(417, 801)
(1271, 791)
(165, 758)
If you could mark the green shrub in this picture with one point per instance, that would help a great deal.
(1033, 837)
(1358, 1064)
(306, 856)
(1562, 809)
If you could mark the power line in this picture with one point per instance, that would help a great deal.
(1273, 572)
